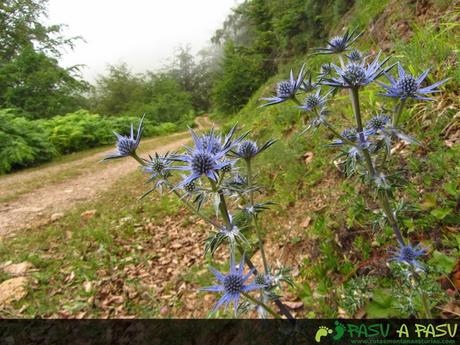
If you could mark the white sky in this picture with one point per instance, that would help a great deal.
(142, 33)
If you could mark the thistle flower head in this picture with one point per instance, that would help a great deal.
(231, 285)
(157, 166)
(190, 187)
(339, 44)
(407, 86)
(248, 149)
(314, 101)
(377, 123)
(355, 74)
(206, 158)
(409, 254)
(355, 56)
(286, 89)
(126, 146)
(350, 134)
(326, 69)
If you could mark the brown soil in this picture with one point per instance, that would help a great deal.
(52, 199)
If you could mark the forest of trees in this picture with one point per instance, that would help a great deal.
(245, 52)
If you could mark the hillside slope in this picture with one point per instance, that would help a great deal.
(327, 227)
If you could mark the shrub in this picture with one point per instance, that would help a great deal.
(22, 143)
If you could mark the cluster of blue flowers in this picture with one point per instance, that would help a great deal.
(217, 170)
(366, 147)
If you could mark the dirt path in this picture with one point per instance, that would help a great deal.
(60, 187)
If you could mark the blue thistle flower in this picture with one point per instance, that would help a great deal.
(157, 166)
(377, 124)
(126, 146)
(339, 44)
(407, 86)
(286, 89)
(206, 158)
(314, 101)
(232, 285)
(357, 74)
(248, 149)
(348, 133)
(355, 56)
(409, 254)
(326, 69)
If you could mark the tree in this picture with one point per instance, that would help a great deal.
(30, 76)
(36, 84)
(118, 90)
(241, 74)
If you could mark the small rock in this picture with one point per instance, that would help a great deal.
(164, 311)
(308, 157)
(56, 216)
(306, 222)
(88, 214)
(12, 290)
(18, 270)
(293, 305)
(87, 286)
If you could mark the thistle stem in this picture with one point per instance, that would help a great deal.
(337, 134)
(194, 210)
(262, 304)
(398, 111)
(342, 62)
(423, 297)
(222, 205)
(139, 159)
(256, 223)
(383, 197)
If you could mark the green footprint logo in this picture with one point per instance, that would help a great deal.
(322, 332)
(339, 331)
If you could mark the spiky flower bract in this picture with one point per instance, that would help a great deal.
(157, 166)
(206, 158)
(355, 56)
(314, 101)
(127, 146)
(349, 134)
(232, 285)
(407, 86)
(409, 254)
(355, 75)
(286, 89)
(308, 85)
(339, 44)
(248, 149)
(377, 124)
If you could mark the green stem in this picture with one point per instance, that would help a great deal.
(383, 197)
(337, 134)
(194, 210)
(262, 304)
(342, 62)
(423, 296)
(398, 112)
(139, 159)
(256, 223)
(222, 205)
